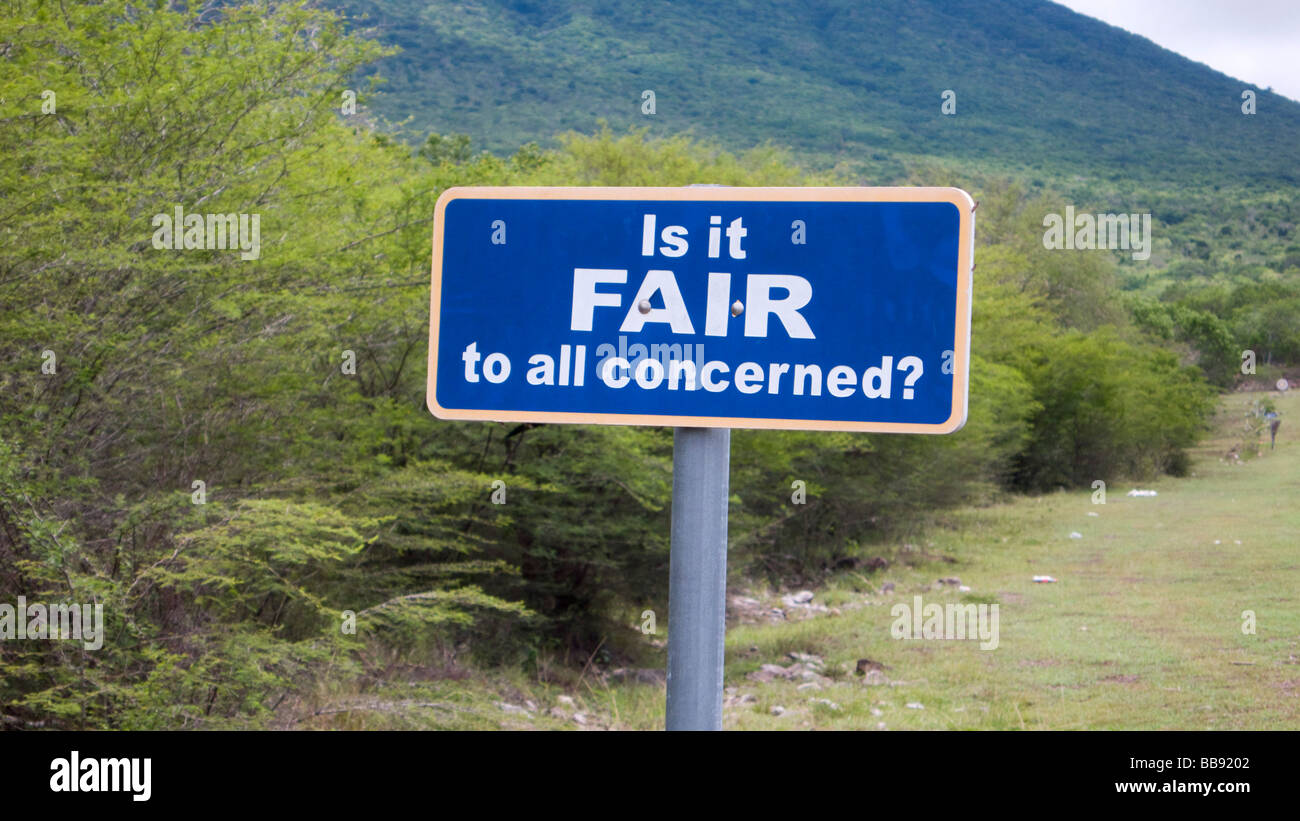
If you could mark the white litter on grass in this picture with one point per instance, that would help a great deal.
(915, 705)
(1076, 535)
(1044, 579)
(1142, 493)
(1092, 513)
(964, 589)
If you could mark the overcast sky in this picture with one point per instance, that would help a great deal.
(1253, 40)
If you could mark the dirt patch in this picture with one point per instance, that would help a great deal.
(749, 610)
(1121, 679)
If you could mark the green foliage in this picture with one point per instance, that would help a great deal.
(453, 149)
(172, 368)
(859, 486)
(1110, 409)
(329, 496)
(1040, 88)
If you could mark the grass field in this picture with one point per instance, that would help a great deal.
(1142, 630)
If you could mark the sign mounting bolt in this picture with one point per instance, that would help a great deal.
(737, 308)
(643, 306)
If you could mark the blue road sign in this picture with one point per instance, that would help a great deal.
(798, 308)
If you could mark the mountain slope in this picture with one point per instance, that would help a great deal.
(1038, 87)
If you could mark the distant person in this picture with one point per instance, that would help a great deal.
(1274, 422)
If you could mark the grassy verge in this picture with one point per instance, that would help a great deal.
(1142, 630)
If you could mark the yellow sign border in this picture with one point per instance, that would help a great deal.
(961, 355)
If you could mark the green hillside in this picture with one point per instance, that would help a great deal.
(1038, 87)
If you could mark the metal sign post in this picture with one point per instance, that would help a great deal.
(697, 577)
